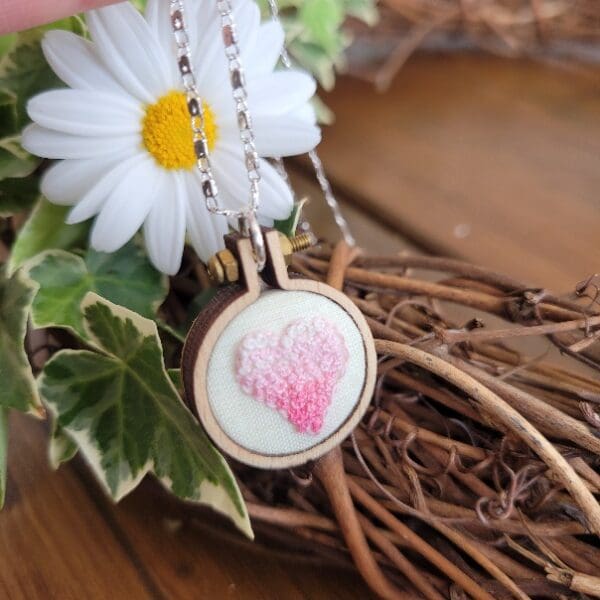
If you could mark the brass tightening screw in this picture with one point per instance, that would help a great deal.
(223, 266)
(302, 241)
(295, 244)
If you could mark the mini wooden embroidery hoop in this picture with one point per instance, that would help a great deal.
(219, 312)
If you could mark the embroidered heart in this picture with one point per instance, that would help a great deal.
(295, 372)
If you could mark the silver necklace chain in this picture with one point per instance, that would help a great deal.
(247, 215)
(195, 109)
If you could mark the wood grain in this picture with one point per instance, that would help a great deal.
(55, 544)
(192, 553)
(61, 537)
(478, 157)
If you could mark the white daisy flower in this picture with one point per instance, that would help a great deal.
(124, 134)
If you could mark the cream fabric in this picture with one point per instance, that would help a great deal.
(249, 422)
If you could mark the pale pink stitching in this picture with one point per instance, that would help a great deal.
(295, 372)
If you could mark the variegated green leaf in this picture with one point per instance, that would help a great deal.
(290, 225)
(46, 230)
(124, 413)
(18, 389)
(25, 72)
(125, 277)
(62, 448)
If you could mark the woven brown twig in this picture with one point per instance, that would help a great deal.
(475, 469)
(554, 29)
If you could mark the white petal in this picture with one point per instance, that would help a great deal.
(127, 47)
(247, 18)
(211, 72)
(234, 188)
(284, 135)
(262, 57)
(210, 62)
(264, 221)
(68, 181)
(73, 59)
(200, 16)
(279, 92)
(127, 206)
(83, 112)
(164, 229)
(91, 202)
(205, 230)
(54, 144)
(227, 163)
(159, 21)
(208, 54)
(276, 200)
(306, 112)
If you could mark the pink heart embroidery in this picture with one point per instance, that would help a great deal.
(295, 372)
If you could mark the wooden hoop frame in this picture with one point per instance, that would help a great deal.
(215, 317)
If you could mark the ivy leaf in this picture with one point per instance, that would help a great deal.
(315, 60)
(45, 230)
(172, 331)
(290, 225)
(17, 194)
(125, 277)
(175, 377)
(62, 448)
(322, 19)
(325, 115)
(18, 389)
(3, 452)
(24, 71)
(123, 412)
(7, 41)
(75, 23)
(8, 113)
(14, 161)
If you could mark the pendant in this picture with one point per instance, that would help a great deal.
(278, 369)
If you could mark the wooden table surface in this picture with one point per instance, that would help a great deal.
(478, 157)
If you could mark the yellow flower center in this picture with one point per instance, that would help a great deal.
(167, 132)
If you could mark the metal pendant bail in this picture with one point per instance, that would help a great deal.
(250, 228)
